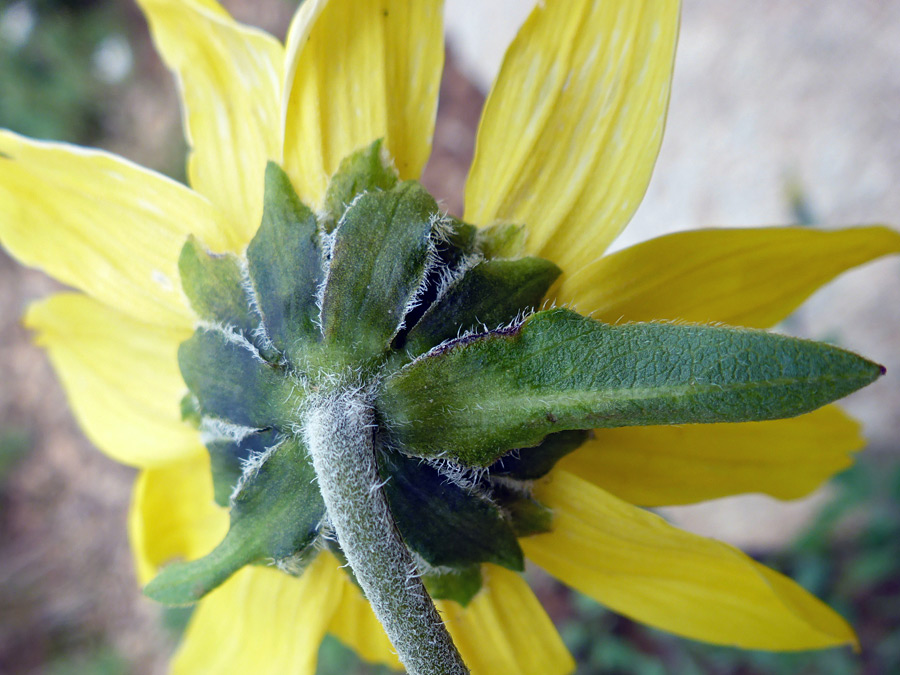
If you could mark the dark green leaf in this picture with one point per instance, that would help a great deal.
(481, 396)
(527, 516)
(213, 285)
(15, 443)
(232, 383)
(286, 267)
(276, 515)
(453, 241)
(366, 170)
(502, 240)
(442, 522)
(492, 293)
(459, 585)
(227, 460)
(532, 463)
(281, 503)
(190, 410)
(378, 267)
(463, 238)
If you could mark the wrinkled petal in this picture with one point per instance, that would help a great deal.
(504, 630)
(636, 564)
(121, 377)
(101, 224)
(668, 465)
(354, 623)
(387, 56)
(230, 77)
(262, 621)
(173, 515)
(572, 127)
(748, 277)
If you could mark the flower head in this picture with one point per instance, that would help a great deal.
(566, 146)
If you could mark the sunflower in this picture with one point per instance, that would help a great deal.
(566, 145)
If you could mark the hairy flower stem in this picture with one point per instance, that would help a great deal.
(339, 432)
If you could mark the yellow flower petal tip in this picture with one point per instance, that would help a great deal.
(744, 277)
(635, 563)
(62, 210)
(230, 105)
(573, 124)
(390, 73)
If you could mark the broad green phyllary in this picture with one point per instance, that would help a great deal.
(315, 366)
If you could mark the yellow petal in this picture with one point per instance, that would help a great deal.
(748, 277)
(635, 563)
(262, 621)
(121, 377)
(173, 515)
(230, 78)
(354, 623)
(101, 224)
(661, 466)
(572, 127)
(212, 6)
(504, 630)
(356, 71)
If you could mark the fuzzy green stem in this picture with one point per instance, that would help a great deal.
(339, 432)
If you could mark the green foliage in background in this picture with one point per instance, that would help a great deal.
(102, 661)
(52, 87)
(14, 445)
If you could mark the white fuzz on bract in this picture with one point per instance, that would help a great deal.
(232, 336)
(260, 333)
(251, 466)
(213, 429)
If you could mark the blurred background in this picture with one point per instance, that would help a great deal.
(781, 113)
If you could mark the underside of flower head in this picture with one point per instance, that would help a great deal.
(474, 392)
(338, 300)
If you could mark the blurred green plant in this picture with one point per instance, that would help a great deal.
(58, 61)
(102, 661)
(800, 203)
(14, 445)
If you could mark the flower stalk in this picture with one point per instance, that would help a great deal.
(340, 434)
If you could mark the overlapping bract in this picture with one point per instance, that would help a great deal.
(308, 305)
(319, 307)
